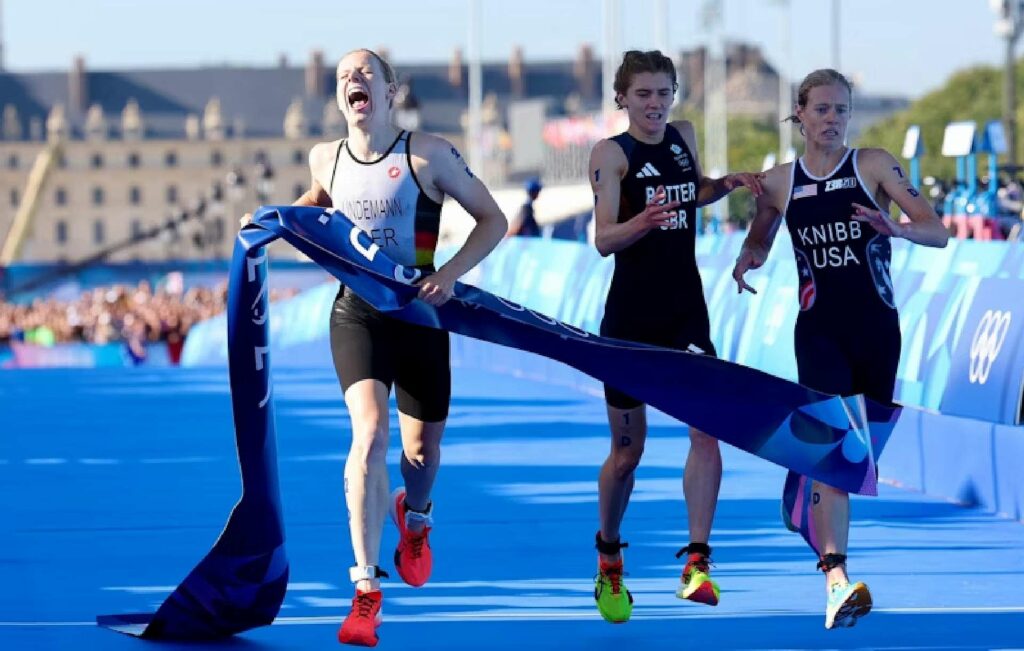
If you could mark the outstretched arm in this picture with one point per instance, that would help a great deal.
(710, 190)
(880, 169)
(766, 222)
(316, 195)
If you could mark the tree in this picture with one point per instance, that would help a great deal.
(971, 94)
(750, 140)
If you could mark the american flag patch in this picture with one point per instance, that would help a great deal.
(809, 190)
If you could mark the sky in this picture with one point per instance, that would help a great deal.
(901, 47)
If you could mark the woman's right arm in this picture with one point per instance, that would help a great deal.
(766, 222)
(316, 195)
(321, 158)
(607, 167)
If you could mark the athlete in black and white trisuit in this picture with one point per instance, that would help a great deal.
(835, 202)
(647, 185)
(391, 183)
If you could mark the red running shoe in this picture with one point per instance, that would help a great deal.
(412, 556)
(360, 627)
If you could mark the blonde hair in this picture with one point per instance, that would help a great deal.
(821, 77)
(389, 72)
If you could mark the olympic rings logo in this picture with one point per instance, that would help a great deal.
(988, 341)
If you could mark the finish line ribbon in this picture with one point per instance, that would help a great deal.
(798, 497)
(241, 582)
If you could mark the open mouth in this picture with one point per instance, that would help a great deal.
(358, 99)
(653, 116)
(831, 132)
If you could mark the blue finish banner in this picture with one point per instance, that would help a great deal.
(240, 584)
(798, 496)
(816, 434)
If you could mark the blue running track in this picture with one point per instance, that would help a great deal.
(114, 483)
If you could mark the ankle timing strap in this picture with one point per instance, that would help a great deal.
(829, 562)
(426, 517)
(609, 548)
(695, 548)
(358, 573)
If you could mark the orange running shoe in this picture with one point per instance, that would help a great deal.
(413, 559)
(360, 627)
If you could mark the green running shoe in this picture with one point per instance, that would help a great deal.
(614, 601)
(695, 583)
(846, 604)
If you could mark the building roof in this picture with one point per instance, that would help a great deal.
(256, 99)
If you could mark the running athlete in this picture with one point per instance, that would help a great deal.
(835, 201)
(391, 183)
(647, 185)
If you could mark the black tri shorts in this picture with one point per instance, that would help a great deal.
(368, 344)
(842, 358)
(690, 334)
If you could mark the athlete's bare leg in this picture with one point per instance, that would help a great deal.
(366, 472)
(702, 478)
(831, 510)
(615, 484)
(421, 458)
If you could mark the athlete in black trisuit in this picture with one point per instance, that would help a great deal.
(647, 185)
(835, 202)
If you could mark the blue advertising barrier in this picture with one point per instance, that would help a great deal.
(935, 292)
(935, 288)
(22, 355)
(987, 368)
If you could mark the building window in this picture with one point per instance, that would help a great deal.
(171, 159)
(136, 229)
(96, 161)
(97, 196)
(14, 198)
(12, 162)
(133, 159)
(298, 158)
(134, 195)
(60, 197)
(298, 190)
(60, 233)
(216, 158)
(216, 231)
(172, 194)
(98, 232)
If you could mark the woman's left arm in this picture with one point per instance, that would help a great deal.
(879, 169)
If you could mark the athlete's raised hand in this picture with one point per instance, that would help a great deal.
(747, 180)
(751, 257)
(437, 288)
(658, 213)
(878, 221)
(244, 220)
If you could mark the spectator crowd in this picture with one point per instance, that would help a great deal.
(133, 315)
